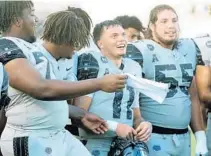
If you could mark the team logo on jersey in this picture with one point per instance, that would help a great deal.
(96, 153)
(150, 47)
(67, 69)
(104, 59)
(106, 71)
(154, 58)
(48, 150)
(208, 44)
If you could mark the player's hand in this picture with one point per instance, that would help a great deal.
(113, 83)
(94, 123)
(125, 131)
(144, 131)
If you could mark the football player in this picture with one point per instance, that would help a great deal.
(134, 29)
(38, 110)
(74, 60)
(168, 59)
(203, 80)
(120, 109)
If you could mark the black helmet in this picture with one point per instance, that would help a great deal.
(123, 147)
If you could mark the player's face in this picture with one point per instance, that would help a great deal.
(28, 22)
(166, 28)
(132, 34)
(113, 41)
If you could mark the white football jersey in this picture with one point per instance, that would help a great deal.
(24, 111)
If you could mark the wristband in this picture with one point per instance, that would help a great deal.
(112, 125)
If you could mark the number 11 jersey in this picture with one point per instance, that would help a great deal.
(109, 106)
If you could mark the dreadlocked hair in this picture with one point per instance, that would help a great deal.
(153, 17)
(65, 28)
(82, 14)
(10, 11)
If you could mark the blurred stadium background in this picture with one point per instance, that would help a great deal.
(194, 15)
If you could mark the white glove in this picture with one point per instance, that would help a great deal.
(201, 143)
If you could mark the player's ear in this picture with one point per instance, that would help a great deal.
(152, 27)
(18, 21)
(99, 43)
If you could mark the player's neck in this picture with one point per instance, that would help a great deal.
(52, 49)
(116, 60)
(12, 33)
(167, 46)
(164, 45)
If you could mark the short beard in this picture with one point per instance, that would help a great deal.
(166, 42)
(172, 42)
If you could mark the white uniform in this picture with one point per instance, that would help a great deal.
(36, 127)
(170, 119)
(116, 106)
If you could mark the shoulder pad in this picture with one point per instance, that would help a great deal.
(88, 67)
(203, 47)
(134, 53)
(9, 51)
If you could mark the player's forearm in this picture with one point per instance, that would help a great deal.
(196, 114)
(76, 113)
(137, 118)
(136, 122)
(196, 118)
(63, 90)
